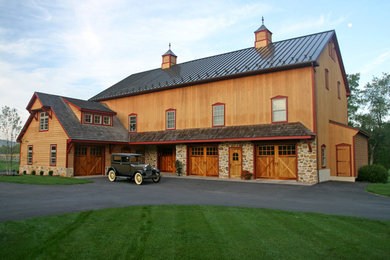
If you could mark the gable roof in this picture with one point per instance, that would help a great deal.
(72, 125)
(287, 54)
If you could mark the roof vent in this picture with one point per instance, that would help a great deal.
(263, 36)
(168, 59)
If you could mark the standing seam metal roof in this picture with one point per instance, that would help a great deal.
(296, 52)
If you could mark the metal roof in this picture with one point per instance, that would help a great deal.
(169, 52)
(286, 54)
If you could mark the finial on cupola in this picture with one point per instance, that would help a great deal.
(263, 36)
(168, 59)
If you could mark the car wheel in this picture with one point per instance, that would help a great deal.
(138, 178)
(157, 178)
(112, 175)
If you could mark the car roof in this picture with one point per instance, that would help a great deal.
(127, 154)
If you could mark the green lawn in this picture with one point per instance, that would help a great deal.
(15, 165)
(380, 188)
(42, 180)
(194, 232)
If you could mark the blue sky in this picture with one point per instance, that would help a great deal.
(78, 48)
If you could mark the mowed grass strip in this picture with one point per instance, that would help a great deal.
(42, 180)
(194, 232)
(380, 188)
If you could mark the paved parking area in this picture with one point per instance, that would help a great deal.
(20, 201)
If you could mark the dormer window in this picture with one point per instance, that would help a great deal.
(106, 120)
(97, 119)
(43, 121)
(88, 118)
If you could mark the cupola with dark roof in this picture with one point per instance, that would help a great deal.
(263, 36)
(168, 59)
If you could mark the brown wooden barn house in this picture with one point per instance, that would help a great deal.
(277, 109)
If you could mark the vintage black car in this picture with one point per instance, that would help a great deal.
(131, 165)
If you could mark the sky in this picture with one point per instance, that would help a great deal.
(78, 48)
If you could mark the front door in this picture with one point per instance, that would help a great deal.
(235, 162)
(343, 157)
(166, 159)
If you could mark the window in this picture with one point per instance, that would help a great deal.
(219, 114)
(323, 156)
(171, 119)
(53, 155)
(43, 121)
(106, 120)
(338, 89)
(327, 79)
(97, 119)
(286, 149)
(332, 51)
(279, 109)
(133, 123)
(88, 118)
(29, 154)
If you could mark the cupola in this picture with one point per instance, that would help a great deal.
(263, 36)
(168, 59)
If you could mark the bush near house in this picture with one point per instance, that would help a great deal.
(41, 173)
(33, 172)
(373, 173)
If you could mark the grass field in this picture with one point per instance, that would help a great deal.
(194, 232)
(380, 188)
(15, 166)
(42, 180)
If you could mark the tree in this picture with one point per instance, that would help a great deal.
(354, 98)
(10, 125)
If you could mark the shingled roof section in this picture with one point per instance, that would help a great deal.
(75, 129)
(292, 53)
(88, 105)
(219, 134)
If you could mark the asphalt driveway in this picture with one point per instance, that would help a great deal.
(20, 201)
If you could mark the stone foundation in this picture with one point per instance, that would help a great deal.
(223, 154)
(181, 155)
(307, 162)
(151, 155)
(57, 171)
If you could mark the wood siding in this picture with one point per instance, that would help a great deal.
(75, 110)
(41, 142)
(361, 152)
(247, 101)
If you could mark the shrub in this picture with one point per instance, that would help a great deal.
(41, 173)
(373, 173)
(24, 172)
(51, 173)
(33, 172)
(246, 175)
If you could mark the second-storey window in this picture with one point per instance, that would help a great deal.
(29, 154)
(133, 123)
(43, 121)
(171, 119)
(106, 120)
(53, 154)
(218, 114)
(88, 118)
(279, 109)
(97, 119)
(327, 79)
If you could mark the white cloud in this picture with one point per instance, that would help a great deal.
(375, 63)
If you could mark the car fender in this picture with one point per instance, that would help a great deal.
(111, 168)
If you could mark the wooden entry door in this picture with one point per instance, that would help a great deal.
(166, 159)
(276, 161)
(235, 162)
(203, 160)
(343, 159)
(88, 160)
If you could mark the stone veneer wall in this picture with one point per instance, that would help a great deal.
(57, 171)
(247, 157)
(181, 155)
(307, 162)
(151, 155)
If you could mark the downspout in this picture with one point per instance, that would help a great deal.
(314, 87)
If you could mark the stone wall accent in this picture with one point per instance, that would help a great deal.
(181, 155)
(223, 154)
(57, 171)
(307, 162)
(151, 155)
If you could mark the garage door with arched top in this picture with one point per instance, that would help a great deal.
(203, 160)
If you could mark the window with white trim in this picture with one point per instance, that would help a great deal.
(53, 155)
(171, 119)
(88, 118)
(279, 109)
(106, 120)
(29, 154)
(43, 121)
(219, 115)
(97, 119)
(133, 123)
(323, 156)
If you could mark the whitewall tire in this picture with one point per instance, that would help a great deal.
(111, 175)
(138, 178)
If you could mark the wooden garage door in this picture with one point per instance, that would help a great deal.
(88, 160)
(343, 157)
(203, 160)
(276, 161)
(166, 159)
